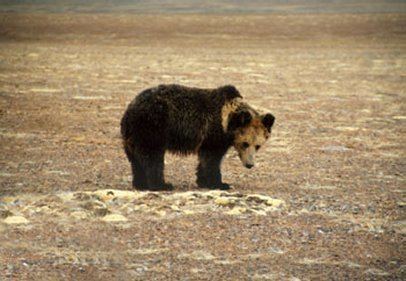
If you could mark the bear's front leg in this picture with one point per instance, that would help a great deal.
(208, 172)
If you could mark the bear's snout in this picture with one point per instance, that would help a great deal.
(249, 166)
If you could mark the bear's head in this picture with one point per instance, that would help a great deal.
(250, 130)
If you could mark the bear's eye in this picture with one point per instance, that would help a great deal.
(257, 147)
(245, 145)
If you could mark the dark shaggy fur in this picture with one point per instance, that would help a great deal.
(181, 120)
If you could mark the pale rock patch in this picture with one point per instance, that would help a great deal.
(198, 255)
(15, 220)
(376, 272)
(114, 218)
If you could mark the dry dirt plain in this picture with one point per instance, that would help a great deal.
(326, 202)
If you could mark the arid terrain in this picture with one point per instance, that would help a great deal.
(325, 202)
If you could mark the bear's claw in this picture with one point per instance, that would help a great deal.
(221, 186)
(163, 187)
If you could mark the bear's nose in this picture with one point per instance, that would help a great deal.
(249, 166)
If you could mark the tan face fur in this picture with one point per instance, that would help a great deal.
(250, 131)
(249, 140)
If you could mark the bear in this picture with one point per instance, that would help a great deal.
(185, 120)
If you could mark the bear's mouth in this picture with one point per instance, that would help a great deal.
(247, 161)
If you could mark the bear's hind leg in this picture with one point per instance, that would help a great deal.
(139, 178)
(208, 172)
(153, 165)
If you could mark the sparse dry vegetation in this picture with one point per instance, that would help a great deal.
(336, 160)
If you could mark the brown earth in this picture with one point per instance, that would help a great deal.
(325, 202)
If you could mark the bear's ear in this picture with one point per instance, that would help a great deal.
(239, 120)
(229, 92)
(268, 120)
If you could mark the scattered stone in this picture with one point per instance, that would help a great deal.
(223, 201)
(198, 255)
(276, 250)
(130, 81)
(107, 197)
(91, 98)
(226, 262)
(160, 213)
(348, 129)
(276, 203)
(16, 220)
(45, 90)
(79, 215)
(148, 251)
(114, 218)
(78, 139)
(33, 55)
(175, 208)
(42, 209)
(376, 272)
(316, 187)
(8, 200)
(335, 148)
(353, 265)
(258, 212)
(401, 204)
(112, 107)
(266, 276)
(189, 212)
(57, 172)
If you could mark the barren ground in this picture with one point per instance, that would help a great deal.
(326, 201)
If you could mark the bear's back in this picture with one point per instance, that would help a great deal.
(179, 115)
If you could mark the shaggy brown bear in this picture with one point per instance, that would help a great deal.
(187, 120)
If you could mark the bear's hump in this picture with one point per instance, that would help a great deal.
(229, 92)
